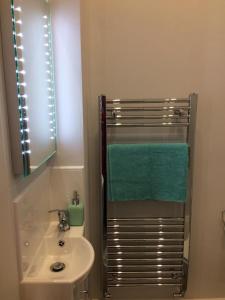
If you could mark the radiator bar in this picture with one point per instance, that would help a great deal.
(146, 233)
(153, 108)
(146, 273)
(165, 124)
(181, 226)
(144, 247)
(159, 100)
(144, 284)
(150, 117)
(146, 240)
(146, 253)
(147, 219)
(158, 267)
(146, 280)
(147, 260)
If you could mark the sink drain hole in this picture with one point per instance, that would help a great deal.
(57, 267)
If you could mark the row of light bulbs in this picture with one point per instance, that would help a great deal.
(21, 72)
(21, 84)
(50, 77)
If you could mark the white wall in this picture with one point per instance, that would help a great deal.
(69, 170)
(68, 80)
(158, 48)
(9, 285)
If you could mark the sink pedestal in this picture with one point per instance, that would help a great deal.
(48, 292)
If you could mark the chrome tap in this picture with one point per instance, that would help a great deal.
(63, 216)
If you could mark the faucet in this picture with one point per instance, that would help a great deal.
(63, 216)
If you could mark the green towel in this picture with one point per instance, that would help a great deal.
(147, 172)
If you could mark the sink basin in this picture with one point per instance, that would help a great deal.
(76, 253)
(69, 248)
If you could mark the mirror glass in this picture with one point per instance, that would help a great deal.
(35, 81)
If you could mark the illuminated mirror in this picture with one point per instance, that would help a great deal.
(33, 61)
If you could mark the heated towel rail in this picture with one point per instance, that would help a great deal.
(146, 251)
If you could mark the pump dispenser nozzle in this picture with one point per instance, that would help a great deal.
(76, 198)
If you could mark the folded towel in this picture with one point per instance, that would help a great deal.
(147, 172)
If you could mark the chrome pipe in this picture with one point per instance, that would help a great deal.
(181, 226)
(161, 219)
(156, 108)
(156, 100)
(146, 233)
(159, 267)
(151, 117)
(153, 260)
(146, 246)
(146, 279)
(145, 218)
(145, 272)
(145, 284)
(150, 253)
(164, 124)
(146, 240)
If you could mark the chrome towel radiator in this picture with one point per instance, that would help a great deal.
(146, 245)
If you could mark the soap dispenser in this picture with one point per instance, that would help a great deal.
(76, 211)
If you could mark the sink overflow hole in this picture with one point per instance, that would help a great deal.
(61, 243)
(57, 267)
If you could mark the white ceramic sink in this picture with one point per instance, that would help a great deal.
(76, 254)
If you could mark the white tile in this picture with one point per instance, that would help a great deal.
(32, 219)
(64, 181)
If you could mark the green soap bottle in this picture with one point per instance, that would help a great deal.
(76, 211)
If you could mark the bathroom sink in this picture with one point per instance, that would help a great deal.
(62, 258)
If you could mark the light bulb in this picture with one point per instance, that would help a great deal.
(19, 9)
(20, 59)
(23, 72)
(22, 96)
(19, 47)
(20, 34)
